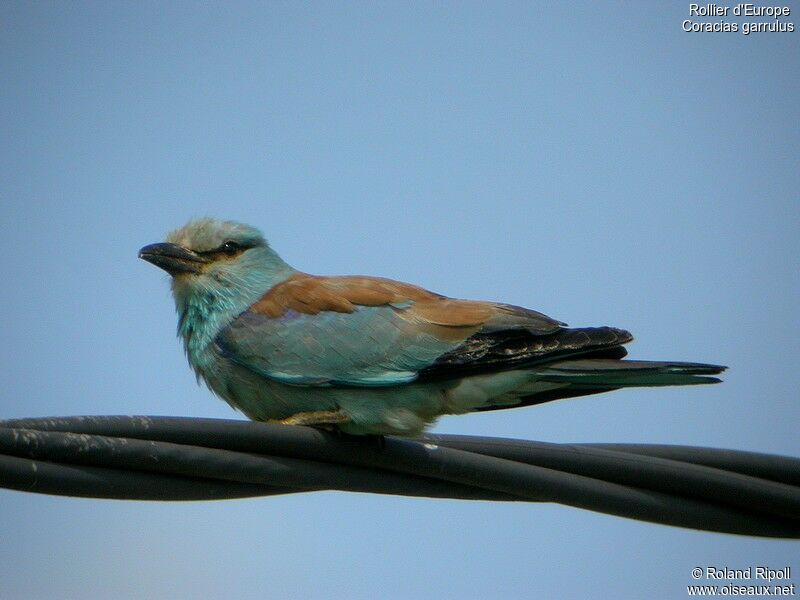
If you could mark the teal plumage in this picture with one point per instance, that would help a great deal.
(370, 355)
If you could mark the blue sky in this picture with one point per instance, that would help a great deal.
(589, 160)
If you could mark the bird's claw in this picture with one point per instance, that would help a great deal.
(324, 419)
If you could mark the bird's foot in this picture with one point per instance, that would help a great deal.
(317, 418)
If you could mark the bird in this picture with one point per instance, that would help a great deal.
(367, 355)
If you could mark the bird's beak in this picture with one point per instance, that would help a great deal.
(173, 259)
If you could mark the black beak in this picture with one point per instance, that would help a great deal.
(172, 258)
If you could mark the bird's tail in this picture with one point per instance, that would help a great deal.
(570, 378)
(605, 372)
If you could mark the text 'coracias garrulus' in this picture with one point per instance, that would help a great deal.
(374, 356)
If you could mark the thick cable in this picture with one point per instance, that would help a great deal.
(701, 488)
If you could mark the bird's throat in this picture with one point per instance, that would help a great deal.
(205, 309)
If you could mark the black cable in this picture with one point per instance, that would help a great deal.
(97, 482)
(701, 488)
(285, 474)
(767, 466)
(653, 472)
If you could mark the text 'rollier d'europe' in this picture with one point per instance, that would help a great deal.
(746, 11)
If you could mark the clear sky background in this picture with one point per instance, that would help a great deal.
(590, 160)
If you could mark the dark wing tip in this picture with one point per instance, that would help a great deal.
(592, 337)
(519, 348)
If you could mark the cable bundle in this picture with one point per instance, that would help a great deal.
(172, 458)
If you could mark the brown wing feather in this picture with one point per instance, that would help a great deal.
(439, 315)
(301, 293)
(310, 294)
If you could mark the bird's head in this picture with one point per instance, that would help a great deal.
(221, 265)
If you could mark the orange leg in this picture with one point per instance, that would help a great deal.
(315, 418)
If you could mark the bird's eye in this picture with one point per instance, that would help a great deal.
(230, 248)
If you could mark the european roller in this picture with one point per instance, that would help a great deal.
(367, 355)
